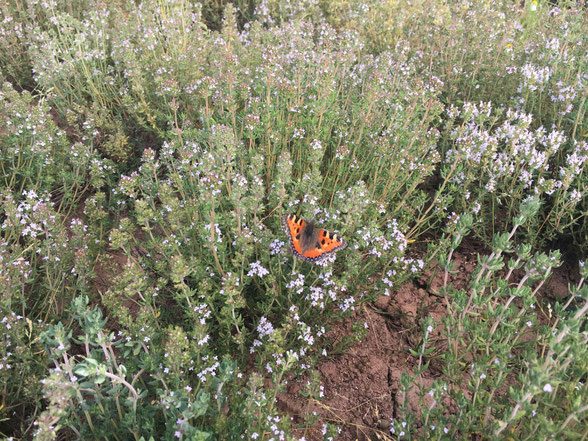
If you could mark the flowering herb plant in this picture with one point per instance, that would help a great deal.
(150, 152)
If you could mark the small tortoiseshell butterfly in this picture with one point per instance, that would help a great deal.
(308, 242)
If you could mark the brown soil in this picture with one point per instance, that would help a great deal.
(361, 386)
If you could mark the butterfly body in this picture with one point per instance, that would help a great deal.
(309, 242)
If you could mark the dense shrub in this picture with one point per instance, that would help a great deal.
(150, 151)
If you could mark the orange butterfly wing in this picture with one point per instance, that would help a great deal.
(294, 226)
(330, 242)
(327, 243)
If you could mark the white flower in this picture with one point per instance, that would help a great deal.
(257, 270)
(316, 144)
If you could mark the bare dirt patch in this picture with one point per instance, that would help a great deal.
(361, 386)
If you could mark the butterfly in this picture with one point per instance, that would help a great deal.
(309, 242)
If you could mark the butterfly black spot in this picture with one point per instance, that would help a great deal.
(298, 237)
(318, 245)
(323, 242)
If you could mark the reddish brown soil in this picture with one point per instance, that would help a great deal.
(361, 386)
